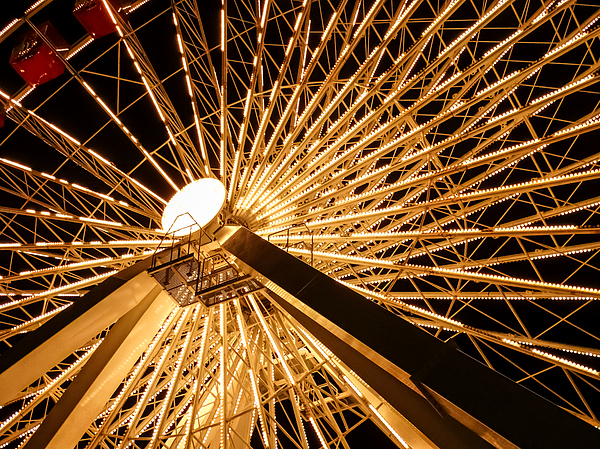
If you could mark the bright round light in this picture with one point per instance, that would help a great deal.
(196, 204)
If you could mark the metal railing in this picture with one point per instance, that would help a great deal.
(287, 242)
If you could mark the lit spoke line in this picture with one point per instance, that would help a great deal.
(257, 63)
(274, 345)
(15, 246)
(45, 393)
(203, 78)
(223, 381)
(496, 87)
(224, 159)
(541, 253)
(105, 107)
(66, 288)
(521, 342)
(500, 192)
(246, 182)
(526, 221)
(88, 159)
(107, 261)
(133, 380)
(159, 368)
(199, 365)
(45, 215)
(42, 179)
(523, 231)
(253, 369)
(523, 345)
(408, 270)
(34, 322)
(454, 238)
(158, 95)
(183, 49)
(176, 371)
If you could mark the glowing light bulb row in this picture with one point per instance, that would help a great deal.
(370, 237)
(470, 32)
(400, 21)
(418, 310)
(175, 371)
(495, 278)
(144, 397)
(39, 395)
(37, 319)
(189, 86)
(579, 36)
(330, 192)
(565, 362)
(98, 159)
(436, 326)
(84, 264)
(150, 92)
(586, 353)
(274, 345)
(9, 26)
(538, 182)
(440, 17)
(561, 253)
(352, 130)
(564, 89)
(62, 289)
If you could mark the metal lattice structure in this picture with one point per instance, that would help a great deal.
(438, 158)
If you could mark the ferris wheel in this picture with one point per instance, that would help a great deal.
(439, 159)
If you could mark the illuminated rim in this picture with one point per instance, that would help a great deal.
(426, 156)
(197, 204)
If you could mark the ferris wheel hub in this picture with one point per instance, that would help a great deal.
(197, 204)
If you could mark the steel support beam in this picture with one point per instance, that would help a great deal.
(451, 398)
(85, 398)
(71, 329)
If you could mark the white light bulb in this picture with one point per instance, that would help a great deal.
(197, 204)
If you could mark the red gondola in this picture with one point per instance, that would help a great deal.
(33, 58)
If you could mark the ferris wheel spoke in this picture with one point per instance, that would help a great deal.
(49, 191)
(558, 134)
(35, 399)
(481, 177)
(86, 158)
(250, 184)
(421, 270)
(185, 13)
(89, 221)
(396, 93)
(204, 84)
(533, 347)
(103, 104)
(189, 161)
